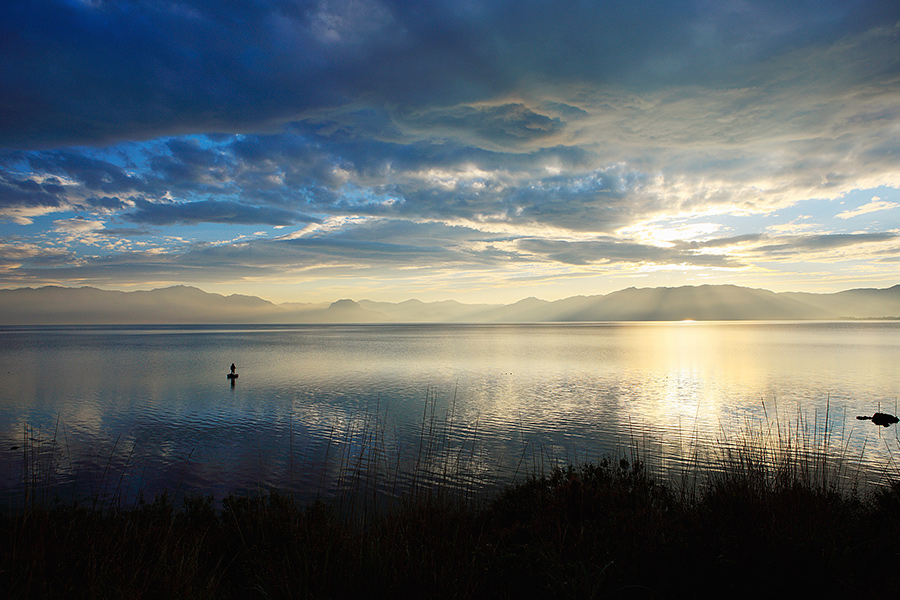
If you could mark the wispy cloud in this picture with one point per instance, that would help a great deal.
(875, 205)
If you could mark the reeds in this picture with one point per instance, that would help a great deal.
(782, 500)
(598, 530)
(48, 475)
(366, 467)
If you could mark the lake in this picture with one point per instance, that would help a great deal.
(114, 411)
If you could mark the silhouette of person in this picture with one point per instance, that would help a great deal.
(232, 367)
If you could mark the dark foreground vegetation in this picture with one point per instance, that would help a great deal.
(607, 530)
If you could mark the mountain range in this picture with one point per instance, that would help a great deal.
(53, 305)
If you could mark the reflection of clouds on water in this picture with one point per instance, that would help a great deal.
(502, 399)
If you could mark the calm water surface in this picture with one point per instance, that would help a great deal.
(105, 410)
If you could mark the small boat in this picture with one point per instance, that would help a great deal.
(232, 376)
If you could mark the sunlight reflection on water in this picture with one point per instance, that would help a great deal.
(149, 408)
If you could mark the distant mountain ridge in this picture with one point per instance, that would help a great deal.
(53, 305)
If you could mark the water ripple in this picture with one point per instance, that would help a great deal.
(379, 410)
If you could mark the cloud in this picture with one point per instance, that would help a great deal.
(74, 77)
(604, 252)
(351, 249)
(96, 174)
(387, 134)
(210, 211)
(31, 252)
(592, 119)
(503, 124)
(22, 198)
(79, 229)
(797, 244)
(395, 243)
(875, 205)
(77, 225)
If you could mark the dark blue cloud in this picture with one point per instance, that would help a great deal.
(503, 124)
(104, 204)
(211, 211)
(95, 174)
(279, 179)
(21, 193)
(77, 72)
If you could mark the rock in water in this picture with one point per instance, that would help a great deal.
(883, 419)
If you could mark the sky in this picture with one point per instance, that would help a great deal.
(478, 151)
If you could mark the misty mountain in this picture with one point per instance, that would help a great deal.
(348, 311)
(416, 311)
(179, 304)
(708, 302)
(188, 305)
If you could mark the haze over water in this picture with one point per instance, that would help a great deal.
(150, 407)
